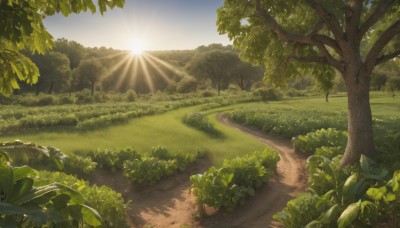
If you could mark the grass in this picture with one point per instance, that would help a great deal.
(169, 131)
(166, 130)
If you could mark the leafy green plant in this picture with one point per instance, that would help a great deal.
(200, 121)
(310, 142)
(357, 196)
(24, 204)
(159, 163)
(112, 159)
(110, 204)
(236, 180)
(148, 170)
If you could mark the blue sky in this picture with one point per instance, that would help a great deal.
(159, 24)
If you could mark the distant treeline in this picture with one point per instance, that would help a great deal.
(71, 67)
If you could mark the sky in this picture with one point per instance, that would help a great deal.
(153, 24)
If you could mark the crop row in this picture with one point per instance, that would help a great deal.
(90, 116)
(236, 180)
(289, 123)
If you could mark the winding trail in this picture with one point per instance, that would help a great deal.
(290, 180)
(170, 204)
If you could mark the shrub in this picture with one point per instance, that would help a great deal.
(79, 165)
(362, 195)
(186, 85)
(130, 95)
(268, 94)
(158, 164)
(112, 159)
(66, 100)
(46, 100)
(109, 204)
(324, 137)
(236, 180)
(200, 121)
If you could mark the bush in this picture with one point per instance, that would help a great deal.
(130, 95)
(110, 204)
(200, 121)
(186, 85)
(79, 165)
(208, 93)
(362, 195)
(66, 100)
(268, 94)
(46, 100)
(324, 137)
(236, 180)
(112, 159)
(158, 164)
(291, 92)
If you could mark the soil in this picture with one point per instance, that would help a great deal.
(170, 204)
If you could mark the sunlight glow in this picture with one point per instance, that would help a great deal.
(137, 47)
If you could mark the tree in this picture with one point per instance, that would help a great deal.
(89, 71)
(392, 85)
(291, 37)
(54, 69)
(215, 65)
(21, 28)
(244, 75)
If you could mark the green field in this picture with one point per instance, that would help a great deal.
(168, 130)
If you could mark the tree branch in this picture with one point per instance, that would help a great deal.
(372, 57)
(282, 33)
(310, 59)
(380, 9)
(353, 17)
(329, 42)
(330, 19)
(335, 63)
(387, 57)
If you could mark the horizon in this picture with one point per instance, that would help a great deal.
(156, 25)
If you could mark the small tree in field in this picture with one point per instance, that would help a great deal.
(214, 65)
(90, 72)
(298, 37)
(393, 85)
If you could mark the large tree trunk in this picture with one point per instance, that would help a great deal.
(219, 87)
(360, 139)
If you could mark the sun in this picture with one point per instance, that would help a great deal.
(137, 47)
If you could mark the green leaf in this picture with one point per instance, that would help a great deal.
(11, 209)
(8, 222)
(364, 161)
(90, 216)
(21, 187)
(349, 215)
(76, 196)
(6, 179)
(330, 215)
(349, 188)
(313, 224)
(36, 193)
(376, 193)
(61, 201)
(22, 172)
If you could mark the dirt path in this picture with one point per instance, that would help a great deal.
(290, 180)
(169, 204)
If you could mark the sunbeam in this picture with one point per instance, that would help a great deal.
(167, 65)
(147, 75)
(160, 71)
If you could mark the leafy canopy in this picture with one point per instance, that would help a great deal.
(322, 34)
(21, 28)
